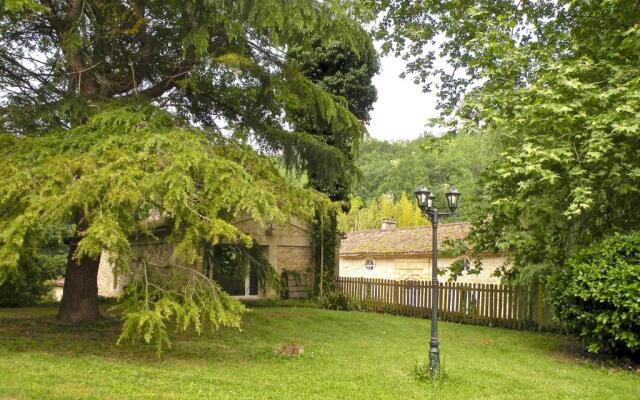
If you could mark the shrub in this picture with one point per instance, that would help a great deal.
(28, 283)
(339, 301)
(597, 295)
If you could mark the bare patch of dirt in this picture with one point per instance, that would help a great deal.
(290, 350)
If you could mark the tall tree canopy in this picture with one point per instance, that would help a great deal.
(438, 163)
(221, 64)
(114, 111)
(340, 70)
(556, 83)
(403, 211)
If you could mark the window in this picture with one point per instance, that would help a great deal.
(369, 264)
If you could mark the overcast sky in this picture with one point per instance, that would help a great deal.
(402, 110)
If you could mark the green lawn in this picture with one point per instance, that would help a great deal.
(348, 355)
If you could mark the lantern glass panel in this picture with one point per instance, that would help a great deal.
(452, 198)
(422, 196)
(431, 201)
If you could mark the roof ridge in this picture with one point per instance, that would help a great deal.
(406, 228)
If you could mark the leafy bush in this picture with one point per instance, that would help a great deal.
(339, 301)
(597, 295)
(23, 286)
(28, 283)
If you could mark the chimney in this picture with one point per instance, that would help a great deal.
(388, 224)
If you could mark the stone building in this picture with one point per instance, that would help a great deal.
(287, 247)
(405, 254)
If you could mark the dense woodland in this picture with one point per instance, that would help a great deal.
(391, 171)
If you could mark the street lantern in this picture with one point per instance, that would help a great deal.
(427, 204)
(452, 196)
(422, 196)
(431, 201)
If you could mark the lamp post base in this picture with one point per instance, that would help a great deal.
(434, 358)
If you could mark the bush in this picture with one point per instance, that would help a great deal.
(339, 301)
(29, 283)
(39, 263)
(597, 295)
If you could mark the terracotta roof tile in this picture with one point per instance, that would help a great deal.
(399, 240)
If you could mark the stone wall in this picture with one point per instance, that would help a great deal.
(415, 268)
(298, 262)
(111, 280)
(287, 247)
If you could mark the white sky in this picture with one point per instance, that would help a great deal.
(402, 109)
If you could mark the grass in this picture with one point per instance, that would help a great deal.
(347, 355)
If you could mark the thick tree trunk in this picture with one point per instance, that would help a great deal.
(80, 296)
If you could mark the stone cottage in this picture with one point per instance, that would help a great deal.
(405, 254)
(287, 247)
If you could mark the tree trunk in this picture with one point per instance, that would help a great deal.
(80, 297)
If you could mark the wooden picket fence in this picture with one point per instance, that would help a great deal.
(519, 307)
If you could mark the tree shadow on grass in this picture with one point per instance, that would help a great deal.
(570, 350)
(40, 332)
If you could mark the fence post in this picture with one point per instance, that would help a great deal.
(540, 305)
(532, 298)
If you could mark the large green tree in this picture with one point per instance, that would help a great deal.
(337, 68)
(399, 167)
(556, 84)
(114, 111)
(347, 74)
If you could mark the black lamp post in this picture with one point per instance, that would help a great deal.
(427, 204)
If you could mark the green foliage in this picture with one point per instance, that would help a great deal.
(324, 234)
(99, 104)
(217, 64)
(422, 373)
(568, 174)
(360, 217)
(122, 164)
(122, 167)
(438, 163)
(180, 296)
(494, 45)
(28, 283)
(340, 302)
(554, 85)
(346, 74)
(340, 70)
(597, 295)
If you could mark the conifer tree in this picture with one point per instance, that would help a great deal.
(114, 110)
(346, 73)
